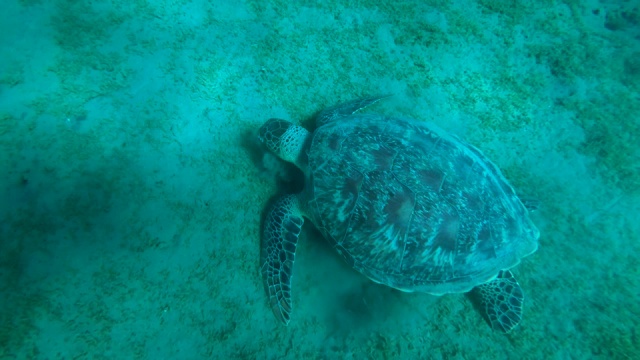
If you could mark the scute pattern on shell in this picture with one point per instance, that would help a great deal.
(443, 217)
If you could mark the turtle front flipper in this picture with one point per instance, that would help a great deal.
(280, 237)
(501, 301)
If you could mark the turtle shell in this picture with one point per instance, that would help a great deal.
(413, 207)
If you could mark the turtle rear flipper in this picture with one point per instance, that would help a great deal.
(500, 301)
(280, 238)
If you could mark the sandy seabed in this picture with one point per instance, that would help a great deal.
(133, 187)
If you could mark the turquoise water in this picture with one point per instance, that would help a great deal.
(133, 187)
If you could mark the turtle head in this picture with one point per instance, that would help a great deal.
(285, 139)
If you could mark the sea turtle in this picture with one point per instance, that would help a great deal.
(405, 204)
